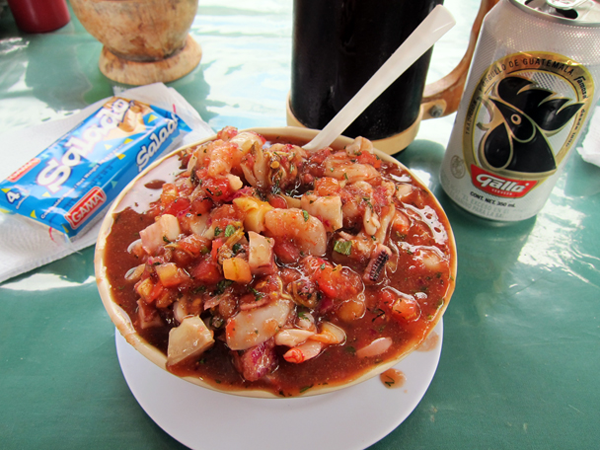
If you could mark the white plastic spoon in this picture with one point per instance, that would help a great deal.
(435, 25)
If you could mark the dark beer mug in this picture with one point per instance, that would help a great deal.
(339, 44)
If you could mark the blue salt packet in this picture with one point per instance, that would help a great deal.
(69, 183)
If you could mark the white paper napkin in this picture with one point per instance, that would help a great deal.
(590, 146)
(25, 244)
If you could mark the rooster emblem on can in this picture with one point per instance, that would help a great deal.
(523, 117)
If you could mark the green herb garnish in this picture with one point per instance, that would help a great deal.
(343, 247)
(222, 285)
(229, 230)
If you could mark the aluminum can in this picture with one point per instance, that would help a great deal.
(531, 87)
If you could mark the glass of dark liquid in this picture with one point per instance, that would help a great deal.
(339, 44)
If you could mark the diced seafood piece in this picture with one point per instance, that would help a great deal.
(371, 222)
(252, 327)
(306, 321)
(246, 139)
(221, 156)
(135, 273)
(161, 232)
(379, 258)
(257, 361)
(306, 231)
(292, 337)
(327, 209)
(375, 348)
(303, 352)
(260, 254)
(148, 315)
(235, 182)
(387, 215)
(342, 169)
(136, 248)
(188, 340)
(330, 334)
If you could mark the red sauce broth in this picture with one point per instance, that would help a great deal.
(393, 378)
(337, 363)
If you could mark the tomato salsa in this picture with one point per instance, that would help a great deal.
(261, 265)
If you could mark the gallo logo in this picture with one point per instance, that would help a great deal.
(499, 186)
(86, 207)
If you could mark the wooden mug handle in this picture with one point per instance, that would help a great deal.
(443, 96)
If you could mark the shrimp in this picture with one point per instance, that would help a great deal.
(342, 168)
(303, 352)
(221, 158)
(306, 231)
(359, 145)
(328, 209)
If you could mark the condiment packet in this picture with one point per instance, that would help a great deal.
(589, 149)
(24, 244)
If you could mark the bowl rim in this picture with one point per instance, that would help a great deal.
(123, 323)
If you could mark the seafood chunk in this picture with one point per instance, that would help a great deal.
(375, 348)
(327, 209)
(306, 231)
(303, 352)
(252, 327)
(188, 340)
(260, 254)
(257, 361)
(161, 232)
(342, 169)
(379, 258)
(292, 337)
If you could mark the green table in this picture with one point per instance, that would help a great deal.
(520, 359)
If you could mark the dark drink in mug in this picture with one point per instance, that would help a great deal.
(338, 45)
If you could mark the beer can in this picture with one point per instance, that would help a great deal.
(531, 88)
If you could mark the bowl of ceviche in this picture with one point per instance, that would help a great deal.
(248, 265)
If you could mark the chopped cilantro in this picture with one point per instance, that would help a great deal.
(257, 295)
(217, 231)
(199, 290)
(305, 215)
(343, 247)
(229, 230)
(222, 285)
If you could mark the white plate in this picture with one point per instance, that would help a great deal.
(352, 418)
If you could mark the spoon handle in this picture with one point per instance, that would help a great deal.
(435, 25)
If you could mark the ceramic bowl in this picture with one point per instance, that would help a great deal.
(136, 194)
